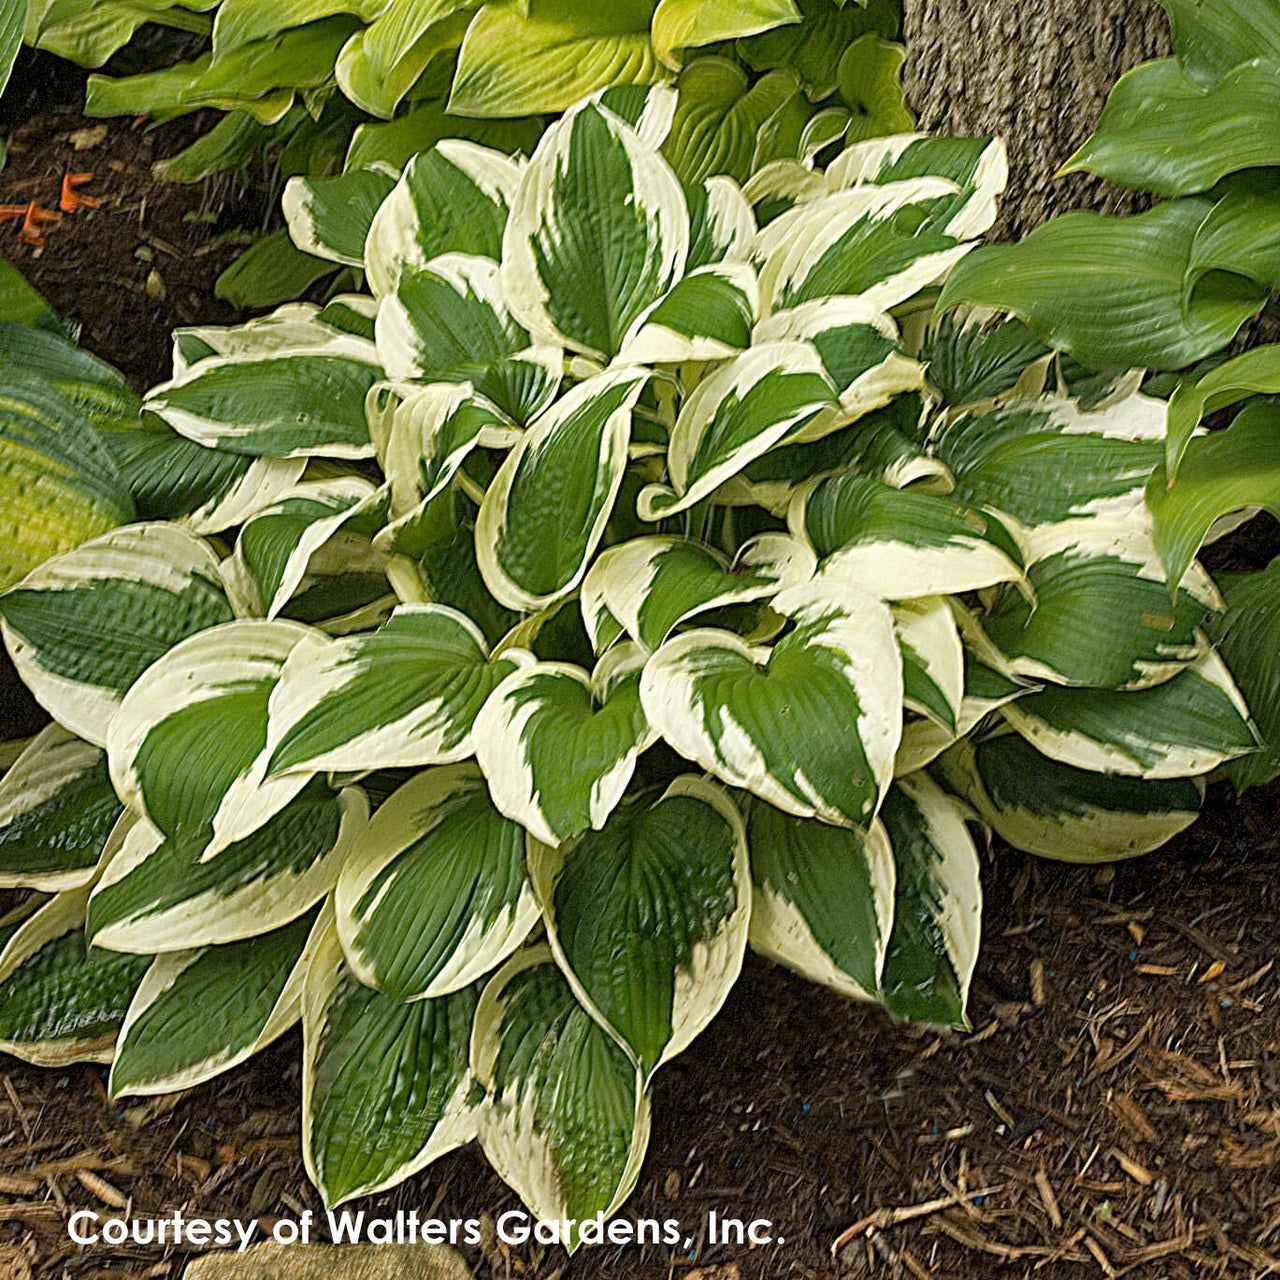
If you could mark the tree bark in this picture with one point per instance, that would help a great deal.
(1035, 72)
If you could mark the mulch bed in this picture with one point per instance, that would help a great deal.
(1115, 1111)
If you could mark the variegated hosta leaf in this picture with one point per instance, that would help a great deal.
(294, 325)
(454, 198)
(1044, 461)
(900, 543)
(445, 315)
(1103, 615)
(59, 485)
(721, 224)
(158, 895)
(1187, 725)
(85, 625)
(811, 725)
(187, 747)
(821, 898)
(1068, 814)
(296, 402)
(735, 415)
(545, 511)
(559, 746)
(707, 315)
(566, 1120)
(651, 585)
(599, 231)
(276, 545)
(978, 166)
(648, 916)
(62, 1001)
(434, 893)
(860, 350)
(330, 217)
(985, 691)
(247, 993)
(933, 671)
(385, 1086)
(204, 490)
(937, 915)
(406, 695)
(880, 244)
(57, 808)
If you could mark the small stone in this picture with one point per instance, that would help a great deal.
(272, 1261)
(155, 286)
(83, 139)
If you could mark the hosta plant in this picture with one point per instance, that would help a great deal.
(1172, 286)
(659, 584)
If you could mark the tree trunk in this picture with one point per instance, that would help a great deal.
(1036, 72)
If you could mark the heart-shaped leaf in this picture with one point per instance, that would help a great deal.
(559, 746)
(811, 725)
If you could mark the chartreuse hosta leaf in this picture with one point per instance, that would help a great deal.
(876, 243)
(247, 993)
(330, 217)
(598, 233)
(545, 511)
(62, 1001)
(648, 916)
(156, 893)
(517, 62)
(685, 24)
(385, 1085)
(186, 748)
(85, 625)
(59, 485)
(566, 1120)
(719, 115)
(1187, 725)
(445, 315)
(1103, 616)
(733, 416)
(766, 720)
(860, 350)
(57, 808)
(821, 897)
(932, 658)
(434, 893)
(276, 545)
(651, 585)
(1046, 460)
(1069, 814)
(559, 745)
(707, 315)
(404, 695)
(901, 543)
(454, 198)
(303, 401)
(937, 914)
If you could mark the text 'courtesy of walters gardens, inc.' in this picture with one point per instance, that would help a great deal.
(407, 1226)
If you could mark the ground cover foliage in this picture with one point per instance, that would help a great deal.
(642, 570)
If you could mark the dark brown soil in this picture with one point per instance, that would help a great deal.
(1116, 1110)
